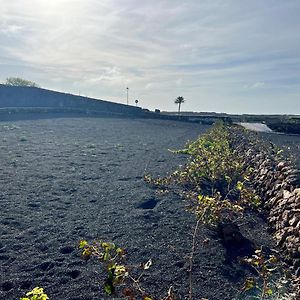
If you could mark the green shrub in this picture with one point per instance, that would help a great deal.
(36, 294)
(215, 177)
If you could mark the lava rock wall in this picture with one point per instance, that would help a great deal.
(277, 182)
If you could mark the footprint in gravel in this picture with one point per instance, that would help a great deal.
(179, 264)
(74, 273)
(64, 280)
(61, 208)
(67, 249)
(148, 204)
(11, 222)
(78, 230)
(4, 257)
(54, 199)
(113, 165)
(25, 285)
(46, 266)
(42, 248)
(34, 204)
(7, 286)
(124, 179)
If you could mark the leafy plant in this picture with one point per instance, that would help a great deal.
(264, 266)
(117, 273)
(17, 81)
(110, 255)
(210, 210)
(36, 294)
(215, 178)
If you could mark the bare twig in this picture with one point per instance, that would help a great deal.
(191, 259)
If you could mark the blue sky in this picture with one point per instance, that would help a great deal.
(235, 56)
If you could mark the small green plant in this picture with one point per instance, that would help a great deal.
(215, 178)
(264, 265)
(117, 273)
(210, 210)
(36, 294)
(247, 197)
(110, 255)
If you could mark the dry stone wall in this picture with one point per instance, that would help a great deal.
(277, 183)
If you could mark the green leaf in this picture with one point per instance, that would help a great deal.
(109, 288)
(106, 256)
(269, 292)
(86, 253)
(82, 244)
(119, 270)
(239, 185)
(120, 251)
(249, 284)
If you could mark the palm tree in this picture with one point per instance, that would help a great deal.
(178, 101)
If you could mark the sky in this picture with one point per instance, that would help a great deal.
(233, 56)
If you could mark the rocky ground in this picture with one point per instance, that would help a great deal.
(68, 179)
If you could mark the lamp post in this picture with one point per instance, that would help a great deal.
(136, 102)
(127, 94)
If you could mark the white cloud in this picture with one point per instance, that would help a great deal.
(255, 85)
(179, 82)
(9, 29)
(149, 86)
(210, 48)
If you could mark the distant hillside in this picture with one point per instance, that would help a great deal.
(33, 102)
(31, 99)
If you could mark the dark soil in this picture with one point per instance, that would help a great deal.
(63, 180)
(289, 143)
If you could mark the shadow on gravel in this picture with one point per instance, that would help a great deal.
(148, 204)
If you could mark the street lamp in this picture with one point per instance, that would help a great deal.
(136, 102)
(127, 94)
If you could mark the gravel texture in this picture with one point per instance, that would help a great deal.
(68, 179)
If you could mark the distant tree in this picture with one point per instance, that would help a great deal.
(179, 100)
(16, 81)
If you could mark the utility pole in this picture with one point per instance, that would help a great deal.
(127, 94)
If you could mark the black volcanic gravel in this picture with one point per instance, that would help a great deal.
(68, 179)
(289, 143)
